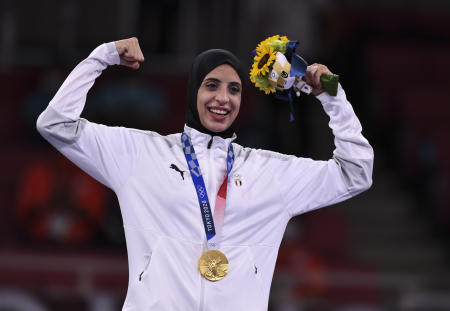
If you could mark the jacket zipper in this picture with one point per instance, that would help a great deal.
(205, 248)
(210, 142)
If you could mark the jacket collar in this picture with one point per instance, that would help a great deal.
(202, 140)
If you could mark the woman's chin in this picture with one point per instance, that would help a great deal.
(217, 127)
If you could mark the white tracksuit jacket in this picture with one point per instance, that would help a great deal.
(163, 226)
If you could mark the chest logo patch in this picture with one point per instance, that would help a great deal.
(174, 167)
(237, 180)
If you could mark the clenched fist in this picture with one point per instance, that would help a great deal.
(312, 77)
(130, 52)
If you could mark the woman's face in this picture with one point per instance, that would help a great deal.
(219, 98)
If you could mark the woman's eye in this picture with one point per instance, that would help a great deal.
(210, 85)
(235, 89)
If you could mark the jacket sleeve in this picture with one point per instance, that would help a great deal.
(106, 153)
(306, 184)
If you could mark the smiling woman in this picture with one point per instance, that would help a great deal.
(185, 252)
(219, 98)
(215, 81)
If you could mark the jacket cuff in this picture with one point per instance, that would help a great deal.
(107, 54)
(326, 98)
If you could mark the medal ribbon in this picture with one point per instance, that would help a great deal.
(213, 237)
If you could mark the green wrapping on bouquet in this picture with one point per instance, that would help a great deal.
(330, 83)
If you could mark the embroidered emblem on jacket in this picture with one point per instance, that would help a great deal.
(237, 180)
(174, 167)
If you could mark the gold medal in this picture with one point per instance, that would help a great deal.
(213, 265)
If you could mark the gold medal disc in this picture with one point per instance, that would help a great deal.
(213, 265)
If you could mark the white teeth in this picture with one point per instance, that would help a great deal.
(218, 111)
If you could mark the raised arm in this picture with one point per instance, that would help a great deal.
(106, 153)
(306, 184)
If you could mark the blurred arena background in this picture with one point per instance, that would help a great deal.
(61, 238)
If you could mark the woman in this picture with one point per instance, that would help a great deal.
(158, 182)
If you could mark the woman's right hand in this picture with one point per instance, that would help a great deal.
(312, 77)
(130, 52)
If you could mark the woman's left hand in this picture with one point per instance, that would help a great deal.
(130, 52)
(312, 77)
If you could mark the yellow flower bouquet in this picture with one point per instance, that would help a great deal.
(276, 67)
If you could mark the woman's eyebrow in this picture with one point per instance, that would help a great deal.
(212, 80)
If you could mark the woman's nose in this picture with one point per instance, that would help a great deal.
(222, 96)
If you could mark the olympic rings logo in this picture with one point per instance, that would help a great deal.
(201, 191)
